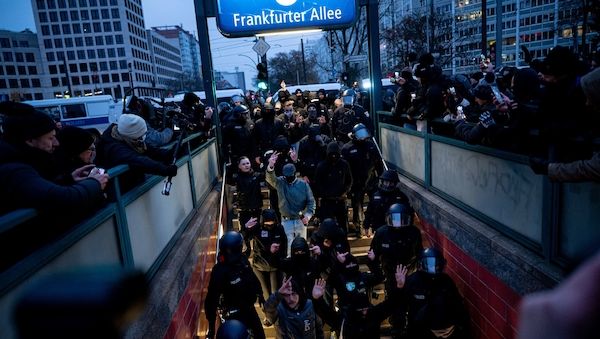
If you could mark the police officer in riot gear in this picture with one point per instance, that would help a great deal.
(365, 162)
(233, 287)
(347, 116)
(387, 194)
(432, 303)
(397, 243)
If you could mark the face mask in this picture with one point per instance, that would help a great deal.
(290, 179)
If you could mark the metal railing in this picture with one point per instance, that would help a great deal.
(138, 230)
(556, 220)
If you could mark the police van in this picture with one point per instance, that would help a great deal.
(223, 95)
(97, 111)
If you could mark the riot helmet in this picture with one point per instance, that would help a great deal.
(432, 261)
(240, 110)
(230, 247)
(237, 99)
(233, 329)
(388, 180)
(224, 107)
(360, 132)
(399, 215)
(348, 97)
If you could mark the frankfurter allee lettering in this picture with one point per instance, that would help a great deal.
(275, 17)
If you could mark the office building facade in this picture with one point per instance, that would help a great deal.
(93, 46)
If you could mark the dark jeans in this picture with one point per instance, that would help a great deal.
(358, 215)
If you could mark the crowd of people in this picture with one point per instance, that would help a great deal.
(317, 158)
(315, 153)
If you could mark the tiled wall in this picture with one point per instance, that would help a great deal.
(491, 303)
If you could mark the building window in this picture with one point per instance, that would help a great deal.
(10, 70)
(105, 14)
(4, 43)
(123, 64)
(13, 83)
(83, 67)
(35, 83)
(91, 53)
(117, 26)
(79, 41)
(105, 78)
(25, 83)
(22, 70)
(73, 68)
(52, 69)
(56, 29)
(19, 57)
(85, 15)
(115, 77)
(45, 30)
(75, 80)
(114, 13)
(66, 29)
(81, 55)
(76, 28)
(50, 56)
(107, 27)
(74, 15)
(71, 55)
(95, 14)
(2, 83)
(41, 4)
(121, 52)
(87, 28)
(55, 82)
(43, 17)
(7, 56)
(64, 16)
(53, 16)
(62, 4)
(68, 42)
(101, 53)
(51, 4)
(85, 80)
(113, 65)
(119, 39)
(89, 41)
(111, 52)
(109, 39)
(58, 43)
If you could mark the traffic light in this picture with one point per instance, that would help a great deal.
(262, 78)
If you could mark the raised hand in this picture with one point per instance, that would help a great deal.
(273, 159)
(286, 286)
(274, 248)
(341, 257)
(251, 223)
(315, 249)
(319, 288)
(400, 275)
(371, 255)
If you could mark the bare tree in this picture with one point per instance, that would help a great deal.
(289, 67)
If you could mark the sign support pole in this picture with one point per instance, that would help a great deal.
(374, 62)
(203, 11)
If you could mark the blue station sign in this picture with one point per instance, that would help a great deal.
(238, 18)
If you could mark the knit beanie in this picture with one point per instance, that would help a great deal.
(131, 126)
(23, 122)
(590, 84)
(333, 148)
(74, 140)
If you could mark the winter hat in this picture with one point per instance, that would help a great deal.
(333, 147)
(289, 170)
(23, 122)
(74, 140)
(131, 126)
(590, 84)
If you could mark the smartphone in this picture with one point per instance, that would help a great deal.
(497, 94)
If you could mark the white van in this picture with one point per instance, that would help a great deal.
(330, 87)
(223, 95)
(97, 111)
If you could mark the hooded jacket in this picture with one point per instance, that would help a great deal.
(302, 323)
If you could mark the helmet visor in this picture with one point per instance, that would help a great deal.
(400, 219)
(348, 100)
(362, 134)
(431, 265)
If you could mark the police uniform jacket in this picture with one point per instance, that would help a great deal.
(396, 246)
(379, 204)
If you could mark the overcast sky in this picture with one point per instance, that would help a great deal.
(17, 16)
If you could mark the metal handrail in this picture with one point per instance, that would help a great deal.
(221, 205)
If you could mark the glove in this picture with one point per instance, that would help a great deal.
(172, 170)
(539, 165)
(486, 119)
